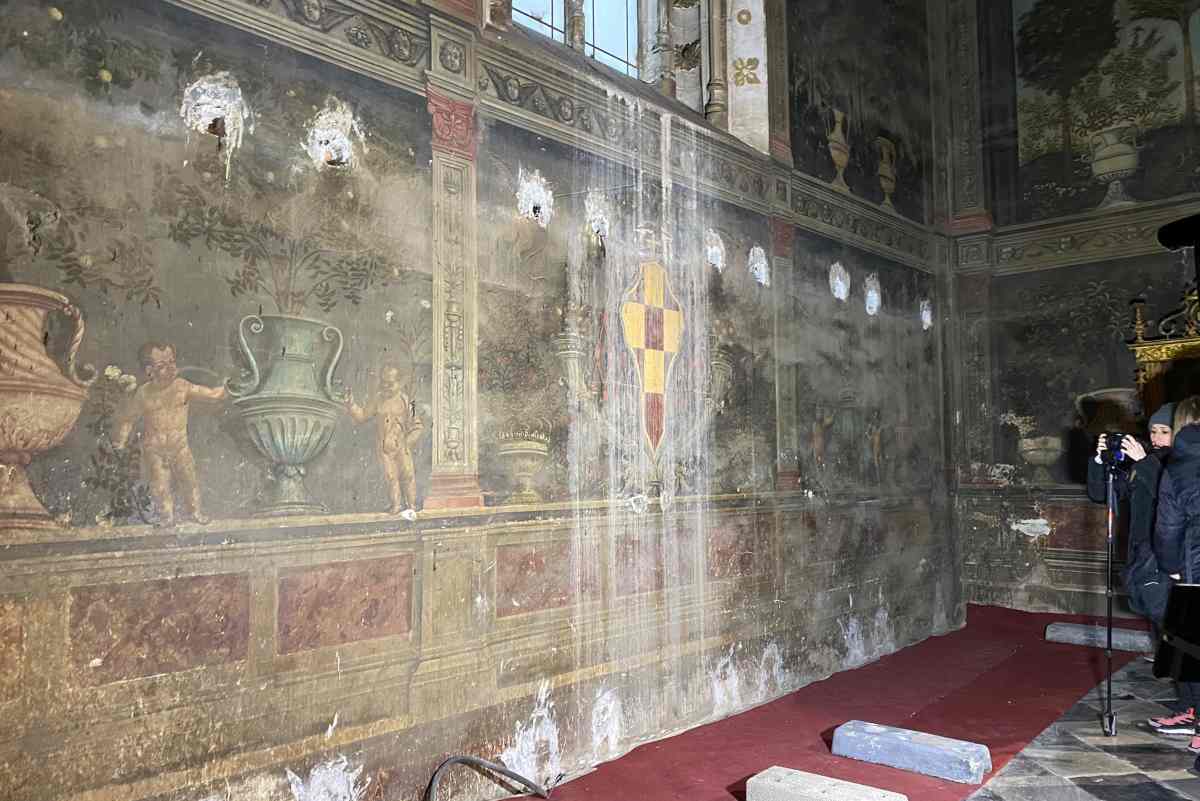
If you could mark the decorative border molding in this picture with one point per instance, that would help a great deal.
(1100, 236)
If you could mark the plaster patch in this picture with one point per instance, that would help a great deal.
(213, 104)
(1033, 527)
(884, 635)
(759, 269)
(596, 209)
(726, 689)
(534, 198)
(534, 752)
(330, 136)
(714, 250)
(839, 281)
(606, 725)
(333, 780)
(856, 646)
(771, 669)
(926, 314)
(872, 294)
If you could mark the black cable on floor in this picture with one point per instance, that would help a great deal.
(536, 789)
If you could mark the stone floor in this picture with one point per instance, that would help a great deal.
(1073, 761)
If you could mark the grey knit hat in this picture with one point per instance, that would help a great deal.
(1164, 416)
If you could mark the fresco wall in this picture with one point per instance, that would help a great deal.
(1045, 370)
(860, 100)
(706, 478)
(1105, 104)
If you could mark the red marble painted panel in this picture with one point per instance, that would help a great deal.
(345, 602)
(1079, 526)
(533, 577)
(652, 559)
(125, 631)
(737, 547)
(12, 648)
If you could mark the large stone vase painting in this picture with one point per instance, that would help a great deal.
(39, 400)
(289, 401)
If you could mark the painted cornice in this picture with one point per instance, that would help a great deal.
(394, 42)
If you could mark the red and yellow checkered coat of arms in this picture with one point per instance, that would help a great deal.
(652, 322)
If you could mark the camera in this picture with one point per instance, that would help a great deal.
(1115, 452)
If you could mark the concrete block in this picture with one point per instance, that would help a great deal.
(1097, 637)
(784, 784)
(955, 760)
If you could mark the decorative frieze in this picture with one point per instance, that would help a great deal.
(819, 209)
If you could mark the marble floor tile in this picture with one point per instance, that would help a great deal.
(1129, 787)
(1151, 757)
(1072, 763)
(1187, 788)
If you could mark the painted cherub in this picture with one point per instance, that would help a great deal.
(161, 403)
(820, 435)
(399, 429)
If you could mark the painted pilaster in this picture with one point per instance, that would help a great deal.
(455, 479)
(747, 65)
(777, 89)
(783, 272)
(717, 107)
(968, 194)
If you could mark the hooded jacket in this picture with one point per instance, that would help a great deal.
(1177, 530)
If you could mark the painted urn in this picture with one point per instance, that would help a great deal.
(39, 401)
(1114, 159)
(289, 401)
(523, 452)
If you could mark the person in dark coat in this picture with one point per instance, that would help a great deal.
(1138, 486)
(1177, 527)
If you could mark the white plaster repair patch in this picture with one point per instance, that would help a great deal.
(759, 269)
(213, 104)
(714, 250)
(534, 752)
(534, 198)
(1033, 527)
(606, 725)
(872, 294)
(856, 646)
(330, 136)
(926, 314)
(329, 781)
(596, 208)
(839, 281)
(771, 670)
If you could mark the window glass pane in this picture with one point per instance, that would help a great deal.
(631, 35)
(609, 31)
(544, 16)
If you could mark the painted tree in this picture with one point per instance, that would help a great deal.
(1060, 42)
(1180, 12)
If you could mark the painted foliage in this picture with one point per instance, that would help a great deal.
(1105, 103)
(232, 222)
(859, 82)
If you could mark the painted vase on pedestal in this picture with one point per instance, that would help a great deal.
(839, 150)
(289, 401)
(39, 402)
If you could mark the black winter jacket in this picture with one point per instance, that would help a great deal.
(1177, 530)
(1140, 488)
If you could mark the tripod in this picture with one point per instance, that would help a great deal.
(1109, 721)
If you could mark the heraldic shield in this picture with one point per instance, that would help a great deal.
(652, 322)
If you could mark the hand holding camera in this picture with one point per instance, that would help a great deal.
(1128, 448)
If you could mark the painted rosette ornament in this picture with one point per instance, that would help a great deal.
(39, 401)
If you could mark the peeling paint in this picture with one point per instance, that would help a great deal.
(839, 281)
(329, 142)
(534, 752)
(714, 250)
(535, 201)
(596, 210)
(213, 105)
(926, 314)
(872, 294)
(760, 271)
(726, 690)
(771, 669)
(606, 725)
(329, 781)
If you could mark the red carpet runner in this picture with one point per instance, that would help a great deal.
(997, 682)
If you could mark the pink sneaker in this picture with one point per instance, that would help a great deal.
(1194, 745)
(1182, 723)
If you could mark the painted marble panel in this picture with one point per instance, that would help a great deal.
(535, 577)
(344, 602)
(1106, 110)
(859, 84)
(738, 549)
(126, 631)
(12, 648)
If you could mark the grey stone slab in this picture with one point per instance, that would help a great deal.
(1153, 757)
(1072, 763)
(1131, 787)
(1037, 788)
(1188, 788)
(920, 752)
(1097, 637)
(784, 784)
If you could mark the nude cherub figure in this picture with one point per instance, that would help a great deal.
(820, 432)
(162, 405)
(398, 431)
